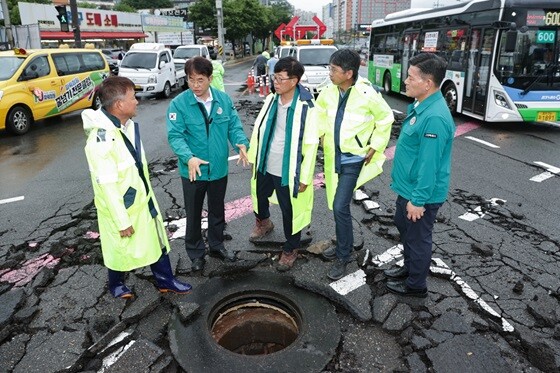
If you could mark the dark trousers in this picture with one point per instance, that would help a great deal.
(347, 179)
(266, 184)
(416, 238)
(194, 194)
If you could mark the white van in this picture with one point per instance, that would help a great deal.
(184, 52)
(151, 68)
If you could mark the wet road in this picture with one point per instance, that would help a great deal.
(498, 234)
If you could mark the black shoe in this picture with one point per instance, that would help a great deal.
(400, 288)
(198, 264)
(338, 269)
(223, 254)
(329, 253)
(396, 273)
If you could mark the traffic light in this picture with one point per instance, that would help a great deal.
(62, 17)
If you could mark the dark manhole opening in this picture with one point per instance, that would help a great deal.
(255, 324)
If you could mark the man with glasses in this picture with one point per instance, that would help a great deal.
(283, 151)
(355, 125)
(200, 121)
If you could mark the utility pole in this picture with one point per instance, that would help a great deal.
(8, 24)
(220, 19)
(76, 23)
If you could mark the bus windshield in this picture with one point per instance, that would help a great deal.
(530, 59)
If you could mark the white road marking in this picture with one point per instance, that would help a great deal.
(482, 142)
(471, 216)
(551, 171)
(9, 200)
(442, 268)
(233, 157)
(349, 282)
(439, 267)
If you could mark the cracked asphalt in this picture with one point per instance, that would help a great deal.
(494, 285)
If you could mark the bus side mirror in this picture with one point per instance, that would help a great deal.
(511, 41)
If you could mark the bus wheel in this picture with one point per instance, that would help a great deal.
(387, 83)
(450, 94)
(19, 120)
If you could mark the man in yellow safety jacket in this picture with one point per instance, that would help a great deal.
(355, 123)
(130, 223)
(283, 149)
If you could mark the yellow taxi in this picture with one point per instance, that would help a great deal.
(42, 83)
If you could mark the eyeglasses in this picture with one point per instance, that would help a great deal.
(195, 83)
(336, 69)
(279, 79)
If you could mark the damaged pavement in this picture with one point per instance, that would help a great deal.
(492, 304)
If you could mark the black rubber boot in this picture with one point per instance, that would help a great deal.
(116, 285)
(166, 282)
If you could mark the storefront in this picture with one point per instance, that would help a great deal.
(103, 28)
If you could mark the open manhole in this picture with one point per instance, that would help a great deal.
(255, 324)
(255, 321)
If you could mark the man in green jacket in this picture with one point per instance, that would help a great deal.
(130, 223)
(200, 121)
(283, 151)
(355, 123)
(421, 172)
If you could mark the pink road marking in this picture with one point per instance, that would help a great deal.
(29, 269)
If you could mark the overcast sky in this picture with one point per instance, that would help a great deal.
(317, 5)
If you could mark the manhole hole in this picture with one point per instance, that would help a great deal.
(257, 322)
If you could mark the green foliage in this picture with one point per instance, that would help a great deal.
(87, 5)
(148, 4)
(203, 14)
(120, 7)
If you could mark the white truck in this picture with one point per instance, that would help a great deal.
(151, 68)
(183, 52)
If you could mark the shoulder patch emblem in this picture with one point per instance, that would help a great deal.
(172, 116)
(431, 135)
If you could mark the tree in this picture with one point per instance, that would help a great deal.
(203, 14)
(241, 17)
(120, 7)
(148, 4)
(87, 5)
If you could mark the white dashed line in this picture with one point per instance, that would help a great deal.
(482, 142)
(349, 282)
(233, 157)
(551, 171)
(9, 200)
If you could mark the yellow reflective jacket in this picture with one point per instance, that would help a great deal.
(303, 152)
(121, 197)
(366, 124)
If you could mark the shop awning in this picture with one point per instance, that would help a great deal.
(60, 35)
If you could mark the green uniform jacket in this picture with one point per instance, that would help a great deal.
(422, 165)
(187, 136)
(366, 124)
(121, 198)
(218, 76)
(303, 152)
